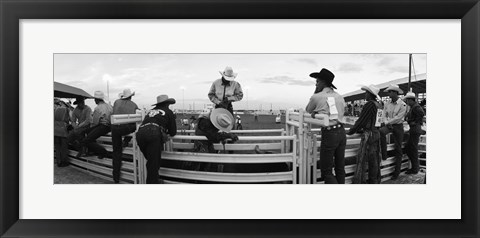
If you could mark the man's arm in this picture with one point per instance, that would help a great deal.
(237, 93)
(310, 106)
(212, 96)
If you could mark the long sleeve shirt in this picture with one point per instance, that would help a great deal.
(232, 91)
(163, 117)
(415, 118)
(102, 110)
(81, 118)
(366, 120)
(319, 103)
(394, 112)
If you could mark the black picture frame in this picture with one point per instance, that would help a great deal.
(11, 11)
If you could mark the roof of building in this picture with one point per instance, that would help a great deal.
(66, 91)
(418, 85)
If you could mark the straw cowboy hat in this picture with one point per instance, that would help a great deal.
(127, 93)
(393, 87)
(164, 99)
(228, 74)
(372, 89)
(99, 95)
(409, 95)
(222, 119)
(326, 75)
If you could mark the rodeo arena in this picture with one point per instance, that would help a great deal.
(376, 134)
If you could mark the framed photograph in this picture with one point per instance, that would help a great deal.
(163, 51)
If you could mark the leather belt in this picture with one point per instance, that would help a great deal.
(331, 127)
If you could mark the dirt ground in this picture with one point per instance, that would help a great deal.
(70, 175)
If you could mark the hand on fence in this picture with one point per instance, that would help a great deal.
(313, 114)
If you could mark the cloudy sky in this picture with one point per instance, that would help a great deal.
(268, 80)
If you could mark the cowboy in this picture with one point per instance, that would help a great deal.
(225, 90)
(369, 155)
(61, 120)
(332, 149)
(153, 133)
(191, 125)
(215, 125)
(415, 121)
(392, 122)
(81, 119)
(100, 126)
(238, 123)
(124, 105)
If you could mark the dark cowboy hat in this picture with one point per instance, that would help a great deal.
(325, 75)
(164, 99)
(78, 100)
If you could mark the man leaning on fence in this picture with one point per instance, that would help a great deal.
(153, 133)
(392, 122)
(124, 105)
(216, 126)
(332, 148)
(369, 154)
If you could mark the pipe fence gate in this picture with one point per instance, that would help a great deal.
(296, 148)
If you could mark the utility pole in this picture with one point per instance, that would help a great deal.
(409, 71)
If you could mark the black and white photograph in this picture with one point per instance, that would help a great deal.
(240, 118)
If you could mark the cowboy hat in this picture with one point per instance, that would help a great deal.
(372, 89)
(228, 74)
(409, 95)
(78, 100)
(99, 95)
(393, 87)
(326, 75)
(222, 119)
(127, 93)
(164, 99)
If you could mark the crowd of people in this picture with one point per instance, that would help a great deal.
(82, 128)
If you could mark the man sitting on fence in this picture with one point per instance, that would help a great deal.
(392, 122)
(124, 105)
(100, 126)
(334, 140)
(216, 126)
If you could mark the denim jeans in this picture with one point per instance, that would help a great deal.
(93, 134)
(412, 150)
(332, 154)
(149, 139)
(117, 132)
(397, 132)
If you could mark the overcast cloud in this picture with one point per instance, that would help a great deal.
(277, 80)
